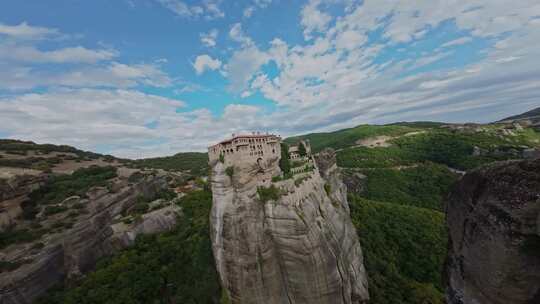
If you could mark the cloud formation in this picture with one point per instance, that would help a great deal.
(208, 9)
(205, 62)
(25, 31)
(209, 39)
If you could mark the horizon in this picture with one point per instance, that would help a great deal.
(151, 78)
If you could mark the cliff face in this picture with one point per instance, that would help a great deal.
(95, 234)
(493, 218)
(297, 245)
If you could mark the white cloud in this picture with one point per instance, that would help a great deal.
(209, 39)
(237, 34)
(205, 62)
(261, 4)
(248, 11)
(112, 75)
(314, 20)
(458, 41)
(25, 31)
(79, 54)
(208, 9)
(243, 65)
(350, 39)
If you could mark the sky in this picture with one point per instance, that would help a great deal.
(145, 78)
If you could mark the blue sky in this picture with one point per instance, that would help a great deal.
(139, 78)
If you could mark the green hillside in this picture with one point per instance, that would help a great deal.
(404, 250)
(194, 162)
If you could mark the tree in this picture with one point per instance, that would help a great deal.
(302, 149)
(284, 163)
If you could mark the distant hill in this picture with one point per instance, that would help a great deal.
(533, 115)
(195, 162)
(63, 158)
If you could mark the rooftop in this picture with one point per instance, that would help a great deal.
(253, 135)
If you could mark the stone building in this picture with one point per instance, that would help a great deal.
(294, 150)
(254, 147)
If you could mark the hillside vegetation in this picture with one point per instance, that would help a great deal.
(173, 267)
(195, 163)
(404, 249)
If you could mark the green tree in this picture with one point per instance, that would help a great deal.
(302, 149)
(284, 163)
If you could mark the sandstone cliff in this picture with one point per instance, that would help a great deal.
(288, 241)
(493, 218)
(96, 233)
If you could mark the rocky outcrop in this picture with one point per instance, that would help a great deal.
(13, 192)
(95, 234)
(288, 241)
(354, 180)
(493, 218)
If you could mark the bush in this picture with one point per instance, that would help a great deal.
(268, 194)
(37, 246)
(140, 208)
(10, 236)
(50, 210)
(327, 189)
(229, 171)
(7, 266)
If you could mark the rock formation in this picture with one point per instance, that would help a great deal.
(97, 233)
(289, 241)
(493, 218)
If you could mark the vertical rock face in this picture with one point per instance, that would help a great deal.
(298, 246)
(493, 218)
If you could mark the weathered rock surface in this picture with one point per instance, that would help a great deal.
(299, 248)
(493, 218)
(14, 191)
(75, 251)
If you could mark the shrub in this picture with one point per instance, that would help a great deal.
(7, 266)
(327, 189)
(268, 194)
(222, 158)
(10, 236)
(141, 207)
(229, 171)
(50, 210)
(37, 246)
